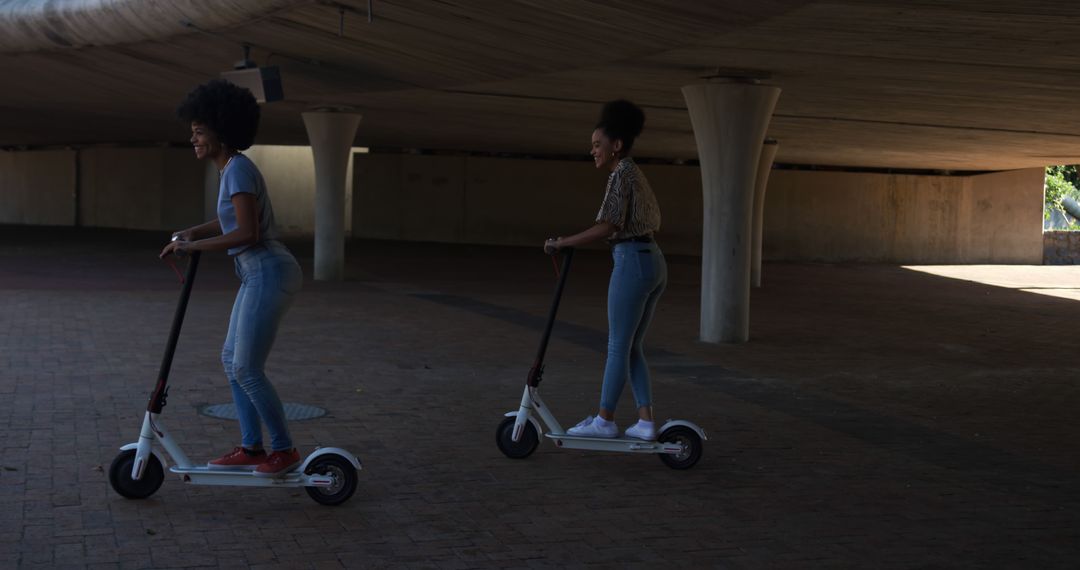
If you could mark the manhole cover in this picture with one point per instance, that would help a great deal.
(293, 411)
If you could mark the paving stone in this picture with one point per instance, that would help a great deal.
(879, 417)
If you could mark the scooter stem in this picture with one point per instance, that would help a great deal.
(537, 369)
(157, 398)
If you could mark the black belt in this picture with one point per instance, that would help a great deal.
(637, 239)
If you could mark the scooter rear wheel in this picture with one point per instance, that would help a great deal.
(122, 483)
(692, 447)
(345, 479)
(526, 444)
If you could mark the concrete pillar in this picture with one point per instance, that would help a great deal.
(730, 119)
(331, 134)
(768, 154)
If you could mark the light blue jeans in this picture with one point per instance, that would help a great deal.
(269, 278)
(637, 281)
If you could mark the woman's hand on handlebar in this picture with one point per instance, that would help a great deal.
(185, 235)
(552, 245)
(178, 246)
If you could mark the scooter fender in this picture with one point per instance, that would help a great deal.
(691, 425)
(330, 451)
(161, 457)
(532, 420)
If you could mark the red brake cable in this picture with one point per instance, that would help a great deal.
(169, 260)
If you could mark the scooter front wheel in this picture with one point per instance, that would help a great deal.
(523, 447)
(338, 468)
(693, 447)
(122, 483)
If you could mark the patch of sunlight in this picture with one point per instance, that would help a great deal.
(1054, 280)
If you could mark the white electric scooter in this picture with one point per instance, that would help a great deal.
(329, 474)
(679, 443)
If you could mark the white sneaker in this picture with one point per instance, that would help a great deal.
(594, 427)
(642, 430)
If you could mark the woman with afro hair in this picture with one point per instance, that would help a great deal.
(224, 119)
(628, 218)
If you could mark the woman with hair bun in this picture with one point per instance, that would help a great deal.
(628, 219)
(224, 119)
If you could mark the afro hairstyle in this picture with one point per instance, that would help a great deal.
(227, 109)
(622, 120)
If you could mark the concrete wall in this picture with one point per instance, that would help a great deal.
(472, 199)
(147, 188)
(37, 188)
(501, 200)
(1002, 209)
(140, 188)
(810, 215)
(1061, 247)
(840, 216)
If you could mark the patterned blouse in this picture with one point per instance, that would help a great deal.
(629, 203)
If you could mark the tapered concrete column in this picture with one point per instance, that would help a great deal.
(331, 134)
(730, 120)
(768, 154)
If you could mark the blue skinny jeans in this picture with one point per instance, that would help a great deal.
(269, 278)
(637, 281)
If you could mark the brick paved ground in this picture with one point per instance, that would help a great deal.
(880, 418)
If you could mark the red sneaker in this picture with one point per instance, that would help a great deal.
(278, 464)
(239, 459)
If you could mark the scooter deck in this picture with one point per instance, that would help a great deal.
(250, 472)
(203, 475)
(622, 444)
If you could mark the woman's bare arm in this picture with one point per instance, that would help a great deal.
(597, 232)
(209, 229)
(246, 232)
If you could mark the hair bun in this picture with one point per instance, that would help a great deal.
(624, 117)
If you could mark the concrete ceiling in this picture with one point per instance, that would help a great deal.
(955, 85)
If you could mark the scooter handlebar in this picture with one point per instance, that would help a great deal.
(178, 253)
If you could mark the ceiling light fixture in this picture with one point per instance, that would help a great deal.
(263, 82)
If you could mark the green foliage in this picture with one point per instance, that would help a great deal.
(1061, 181)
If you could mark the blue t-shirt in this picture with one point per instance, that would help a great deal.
(241, 175)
